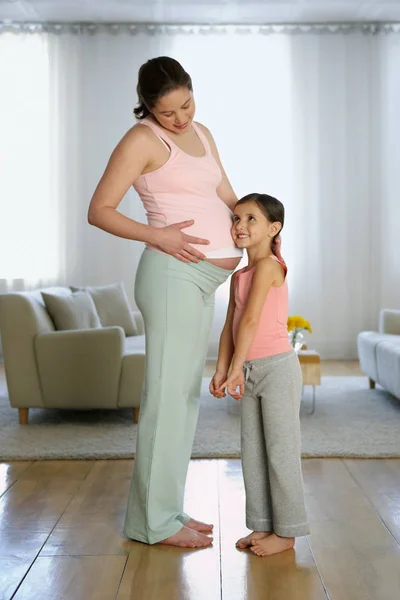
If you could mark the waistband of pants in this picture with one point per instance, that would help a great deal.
(262, 363)
(203, 267)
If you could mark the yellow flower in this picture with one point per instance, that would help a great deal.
(298, 322)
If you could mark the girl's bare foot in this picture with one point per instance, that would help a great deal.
(199, 526)
(188, 538)
(273, 544)
(251, 539)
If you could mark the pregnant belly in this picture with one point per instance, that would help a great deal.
(225, 263)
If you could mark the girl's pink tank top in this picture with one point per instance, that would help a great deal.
(272, 334)
(185, 188)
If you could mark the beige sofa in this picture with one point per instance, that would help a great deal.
(84, 368)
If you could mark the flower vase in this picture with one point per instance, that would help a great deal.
(296, 339)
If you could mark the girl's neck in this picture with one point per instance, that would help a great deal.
(256, 254)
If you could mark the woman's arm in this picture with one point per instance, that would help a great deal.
(224, 190)
(266, 273)
(127, 162)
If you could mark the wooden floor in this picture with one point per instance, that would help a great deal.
(61, 535)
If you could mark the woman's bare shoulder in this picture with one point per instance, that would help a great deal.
(138, 133)
(138, 137)
(205, 130)
(209, 137)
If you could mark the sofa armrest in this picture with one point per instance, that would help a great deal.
(22, 317)
(80, 368)
(389, 321)
(138, 320)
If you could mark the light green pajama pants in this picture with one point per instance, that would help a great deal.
(176, 300)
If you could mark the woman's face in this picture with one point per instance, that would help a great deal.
(175, 110)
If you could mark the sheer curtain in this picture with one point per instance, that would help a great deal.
(28, 247)
(311, 117)
(68, 99)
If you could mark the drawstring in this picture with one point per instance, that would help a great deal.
(247, 366)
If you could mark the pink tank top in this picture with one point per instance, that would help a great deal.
(185, 188)
(272, 334)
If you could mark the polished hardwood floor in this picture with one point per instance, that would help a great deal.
(61, 523)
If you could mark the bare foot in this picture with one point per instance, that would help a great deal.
(272, 545)
(188, 538)
(199, 526)
(251, 539)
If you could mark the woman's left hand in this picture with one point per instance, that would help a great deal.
(234, 381)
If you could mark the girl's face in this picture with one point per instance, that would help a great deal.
(251, 227)
(175, 111)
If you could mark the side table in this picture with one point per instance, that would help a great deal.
(310, 362)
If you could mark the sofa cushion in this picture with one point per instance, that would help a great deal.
(367, 343)
(388, 365)
(74, 311)
(112, 306)
(135, 344)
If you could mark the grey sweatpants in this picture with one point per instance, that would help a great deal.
(271, 446)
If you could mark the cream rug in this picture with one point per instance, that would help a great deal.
(350, 420)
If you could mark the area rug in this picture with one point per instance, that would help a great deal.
(350, 420)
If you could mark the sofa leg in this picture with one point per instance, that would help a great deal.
(136, 412)
(23, 416)
(371, 383)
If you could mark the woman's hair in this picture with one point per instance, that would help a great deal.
(274, 211)
(157, 77)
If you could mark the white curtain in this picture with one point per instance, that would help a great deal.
(28, 216)
(311, 117)
(69, 99)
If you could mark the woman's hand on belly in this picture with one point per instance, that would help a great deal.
(173, 241)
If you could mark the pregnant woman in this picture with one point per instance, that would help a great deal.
(173, 164)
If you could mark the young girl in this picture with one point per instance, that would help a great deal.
(255, 343)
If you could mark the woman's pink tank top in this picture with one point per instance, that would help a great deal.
(272, 334)
(185, 188)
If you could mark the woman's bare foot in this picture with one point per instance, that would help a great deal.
(272, 545)
(251, 539)
(199, 526)
(188, 538)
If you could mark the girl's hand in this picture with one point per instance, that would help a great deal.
(216, 383)
(234, 381)
(173, 241)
